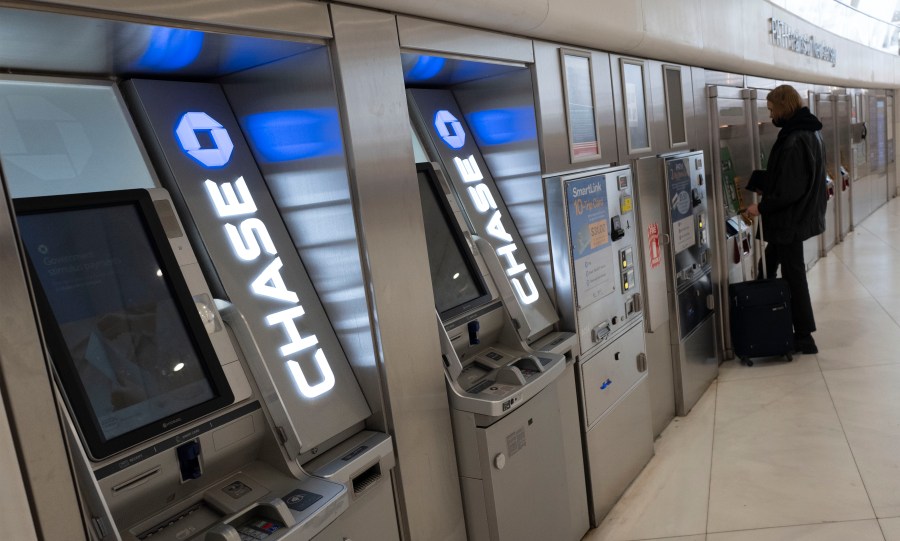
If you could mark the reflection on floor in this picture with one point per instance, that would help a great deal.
(807, 450)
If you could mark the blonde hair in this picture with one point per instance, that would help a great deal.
(785, 101)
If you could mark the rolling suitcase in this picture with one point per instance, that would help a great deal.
(761, 324)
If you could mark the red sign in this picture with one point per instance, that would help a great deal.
(653, 243)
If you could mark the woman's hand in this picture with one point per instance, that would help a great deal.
(753, 210)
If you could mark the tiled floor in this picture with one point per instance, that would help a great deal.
(800, 451)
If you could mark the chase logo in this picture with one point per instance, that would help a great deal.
(186, 132)
(449, 128)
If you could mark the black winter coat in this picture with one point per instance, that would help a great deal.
(794, 196)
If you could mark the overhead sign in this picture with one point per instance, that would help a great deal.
(786, 37)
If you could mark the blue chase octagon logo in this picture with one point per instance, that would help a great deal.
(186, 132)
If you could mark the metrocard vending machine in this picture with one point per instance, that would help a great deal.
(596, 265)
(678, 273)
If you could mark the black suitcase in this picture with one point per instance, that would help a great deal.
(760, 314)
(761, 319)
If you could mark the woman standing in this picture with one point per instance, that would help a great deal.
(793, 203)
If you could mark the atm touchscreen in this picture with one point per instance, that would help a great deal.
(132, 354)
(457, 283)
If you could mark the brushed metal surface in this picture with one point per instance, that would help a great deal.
(658, 306)
(622, 437)
(31, 405)
(290, 17)
(627, 149)
(824, 108)
(429, 35)
(842, 113)
(515, 165)
(385, 190)
(656, 105)
(60, 42)
(698, 366)
(312, 194)
(551, 109)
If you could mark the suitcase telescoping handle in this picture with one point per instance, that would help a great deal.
(758, 227)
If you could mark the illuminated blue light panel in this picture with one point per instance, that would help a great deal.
(425, 68)
(171, 49)
(503, 126)
(280, 136)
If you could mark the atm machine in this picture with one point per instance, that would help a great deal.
(272, 440)
(169, 436)
(511, 386)
(253, 256)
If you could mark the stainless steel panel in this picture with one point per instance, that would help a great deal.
(529, 440)
(576, 481)
(845, 155)
(372, 512)
(661, 377)
(31, 405)
(622, 438)
(44, 41)
(386, 197)
(823, 106)
(513, 158)
(290, 17)
(654, 235)
(626, 151)
(697, 367)
(307, 176)
(656, 105)
(441, 37)
(721, 78)
(611, 372)
(889, 144)
(551, 108)
(15, 500)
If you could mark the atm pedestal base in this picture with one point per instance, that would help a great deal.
(515, 473)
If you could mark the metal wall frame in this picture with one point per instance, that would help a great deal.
(369, 75)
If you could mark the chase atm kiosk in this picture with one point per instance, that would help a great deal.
(189, 417)
(170, 429)
(510, 386)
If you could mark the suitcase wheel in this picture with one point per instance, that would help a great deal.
(746, 361)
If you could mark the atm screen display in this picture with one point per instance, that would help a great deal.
(122, 328)
(458, 286)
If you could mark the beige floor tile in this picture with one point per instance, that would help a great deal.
(862, 530)
(855, 333)
(868, 405)
(890, 527)
(767, 367)
(671, 495)
(594, 535)
(780, 457)
(831, 280)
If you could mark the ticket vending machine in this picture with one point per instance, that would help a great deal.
(170, 438)
(825, 109)
(733, 162)
(510, 385)
(678, 281)
(594, 240)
